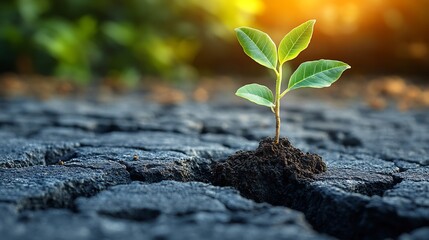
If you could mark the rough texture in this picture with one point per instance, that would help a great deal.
(148, 166)
(264, 174)
(73, 169)
(56, 186)
(147, 202)
(17, 152)
(62, 224)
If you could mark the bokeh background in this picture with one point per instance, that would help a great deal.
(123, 43)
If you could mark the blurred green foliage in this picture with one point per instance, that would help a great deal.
(82, 40)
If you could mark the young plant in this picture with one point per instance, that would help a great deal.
(315, 74)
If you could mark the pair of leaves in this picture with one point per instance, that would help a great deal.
(259, 46)
(315, 74)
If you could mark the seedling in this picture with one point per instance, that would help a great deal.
(261, 48)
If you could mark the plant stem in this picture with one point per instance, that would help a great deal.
(284, 93)
(277, 107)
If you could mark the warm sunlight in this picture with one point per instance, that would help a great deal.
(364, 32)
(336, 16)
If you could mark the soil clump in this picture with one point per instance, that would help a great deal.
(266, 173)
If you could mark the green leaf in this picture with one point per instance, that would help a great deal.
(317, 74)
(296, 41)
(258, 45)
(256, 93)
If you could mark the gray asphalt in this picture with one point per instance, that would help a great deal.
(132, 169)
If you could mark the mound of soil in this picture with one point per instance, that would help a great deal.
(264, 174)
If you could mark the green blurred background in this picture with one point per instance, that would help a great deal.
(85, 41)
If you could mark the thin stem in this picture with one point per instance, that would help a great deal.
(277, 107)
(284, 93)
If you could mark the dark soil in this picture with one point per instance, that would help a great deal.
(265, 173)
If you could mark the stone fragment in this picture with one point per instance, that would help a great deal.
(40, 187)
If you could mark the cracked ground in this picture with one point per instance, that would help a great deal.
(133, 169)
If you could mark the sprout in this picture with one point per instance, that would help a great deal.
(261, 48)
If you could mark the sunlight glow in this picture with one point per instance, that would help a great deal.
(334, 16)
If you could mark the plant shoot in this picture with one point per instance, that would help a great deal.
(261, 48)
